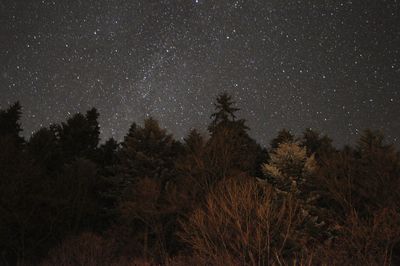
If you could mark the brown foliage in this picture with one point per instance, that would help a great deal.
(244, 223)
(364, 241)
(149, 214)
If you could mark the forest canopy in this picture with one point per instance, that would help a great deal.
(218, 198)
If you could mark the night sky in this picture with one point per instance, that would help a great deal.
(330, 65)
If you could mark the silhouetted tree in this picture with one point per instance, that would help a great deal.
(230, 148)
(224, 113)
(364, 179)
(343, 209)
(194, 141)
(38, 208)
(316, 144)
(284, 136)
(106, 154)
(148, 152)
(76, 197)
(9, 122)
(109, 184)
(146, 166)
(194, 176)
(45, 149)
(79, 136)
(21, 228)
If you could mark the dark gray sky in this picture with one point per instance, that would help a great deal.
(329, 65)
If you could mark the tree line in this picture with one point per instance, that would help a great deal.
(212, 199)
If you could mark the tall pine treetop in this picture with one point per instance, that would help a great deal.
(225, 112)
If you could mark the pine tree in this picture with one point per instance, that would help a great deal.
(225, 113)
(106, 154)
(194, 178)
(80, 135)
(9, 122)
(38, 208)
(284, 136)
(230, 148)
(291, 172)
(289, 167)
(18, 181)
(194, 141)
(146, 167)
(109, 183)
(316, 144)
(45, 149)
(148, 152)
(76, 193)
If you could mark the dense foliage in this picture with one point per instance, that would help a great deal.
(217, 198)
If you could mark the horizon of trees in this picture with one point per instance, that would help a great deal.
(220, 199)
(204, 132)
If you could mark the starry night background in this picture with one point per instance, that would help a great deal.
(329, 65)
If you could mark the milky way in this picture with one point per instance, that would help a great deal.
(329, 65)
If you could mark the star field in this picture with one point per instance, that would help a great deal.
(329, 65)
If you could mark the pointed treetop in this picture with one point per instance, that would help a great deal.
(224, 107)
(92, 114)
(316, 143)
(225, 111)
(284, 136)
(372, 140)
(194, 140)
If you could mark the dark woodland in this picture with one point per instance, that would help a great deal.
(216, 197)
